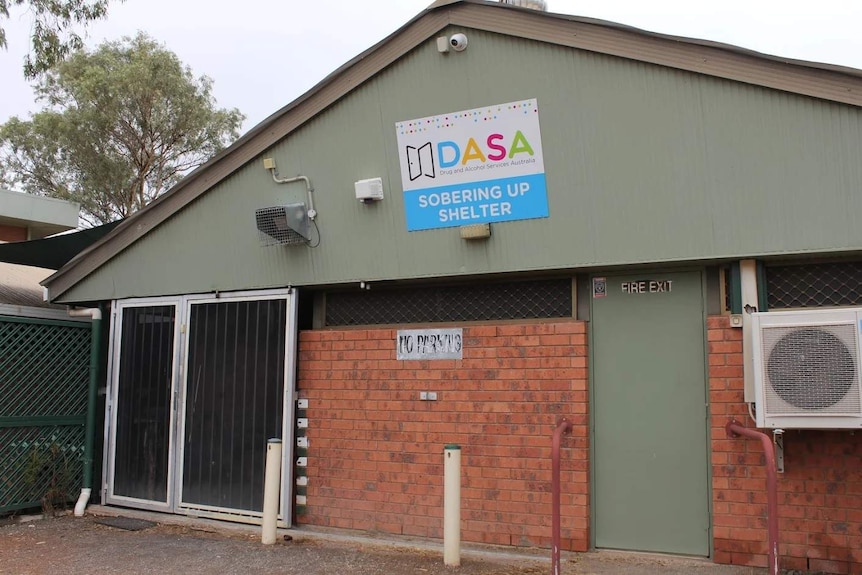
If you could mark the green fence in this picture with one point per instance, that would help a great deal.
(44, 373)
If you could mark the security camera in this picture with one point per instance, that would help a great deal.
(458, 42)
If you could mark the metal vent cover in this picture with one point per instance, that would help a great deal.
(814, 285)
(811, 370)
(283, 225)
(533, 299)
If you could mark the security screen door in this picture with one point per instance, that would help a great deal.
(198, 386)
(234, 400)
(141, 417)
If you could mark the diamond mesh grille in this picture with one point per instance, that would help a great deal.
(40, 465)
(44, 369)
(482, 302)
(44, 373)
(814, 285)
(811, 370)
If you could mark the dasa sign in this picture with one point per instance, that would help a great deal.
(473, 167)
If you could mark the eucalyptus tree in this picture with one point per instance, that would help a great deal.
(52, 30)
(119, 126)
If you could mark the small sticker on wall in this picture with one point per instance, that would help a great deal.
(600, 287)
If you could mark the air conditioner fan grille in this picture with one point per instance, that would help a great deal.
(811, 369)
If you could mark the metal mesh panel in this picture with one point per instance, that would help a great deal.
(814, 285)
(44, 373)
(482, 302)
(811, 370)
(287, 225)
(40, 466)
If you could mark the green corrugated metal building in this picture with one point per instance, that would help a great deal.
(674, 182)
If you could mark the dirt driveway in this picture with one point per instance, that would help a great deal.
(71, 546)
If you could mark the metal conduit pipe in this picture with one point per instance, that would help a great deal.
(312, 213)
(90, 430)
(735, 429)
(564, 426)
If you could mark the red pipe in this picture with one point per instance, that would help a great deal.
(565, 426)
(734, 430)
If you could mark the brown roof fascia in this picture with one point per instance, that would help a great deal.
(823, 81)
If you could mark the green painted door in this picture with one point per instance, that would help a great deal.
(649, 413)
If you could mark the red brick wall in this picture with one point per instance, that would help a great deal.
(820, 493)
(375, 457)
(12, 233)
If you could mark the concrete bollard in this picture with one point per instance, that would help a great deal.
(271, 488)
(452, 505)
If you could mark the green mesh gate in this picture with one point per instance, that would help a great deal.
(44, 373)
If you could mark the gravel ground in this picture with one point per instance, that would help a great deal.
(73, 546)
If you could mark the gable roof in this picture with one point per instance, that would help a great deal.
(823, 81)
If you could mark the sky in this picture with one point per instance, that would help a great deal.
(262, 54)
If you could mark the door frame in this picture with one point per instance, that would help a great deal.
(592, 392)
(183, 305)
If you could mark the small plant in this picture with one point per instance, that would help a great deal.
(50, 473)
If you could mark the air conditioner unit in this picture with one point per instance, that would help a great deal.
(807, 369)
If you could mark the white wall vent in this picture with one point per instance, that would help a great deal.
(807, 369)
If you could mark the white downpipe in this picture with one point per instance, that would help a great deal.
(452, 505)
(91, 312)
(83, 499)
(271, 487)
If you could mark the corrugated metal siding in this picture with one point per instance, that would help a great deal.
(19, 286)
(644, 164)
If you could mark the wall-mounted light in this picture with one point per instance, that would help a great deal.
(476, 232)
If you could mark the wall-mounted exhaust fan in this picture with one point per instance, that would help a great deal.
(283, 225)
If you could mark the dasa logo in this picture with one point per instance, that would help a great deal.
(425, 159)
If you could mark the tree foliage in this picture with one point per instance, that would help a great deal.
(53, 36)
(120, 126)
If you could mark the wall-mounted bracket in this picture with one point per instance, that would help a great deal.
(778, 440)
